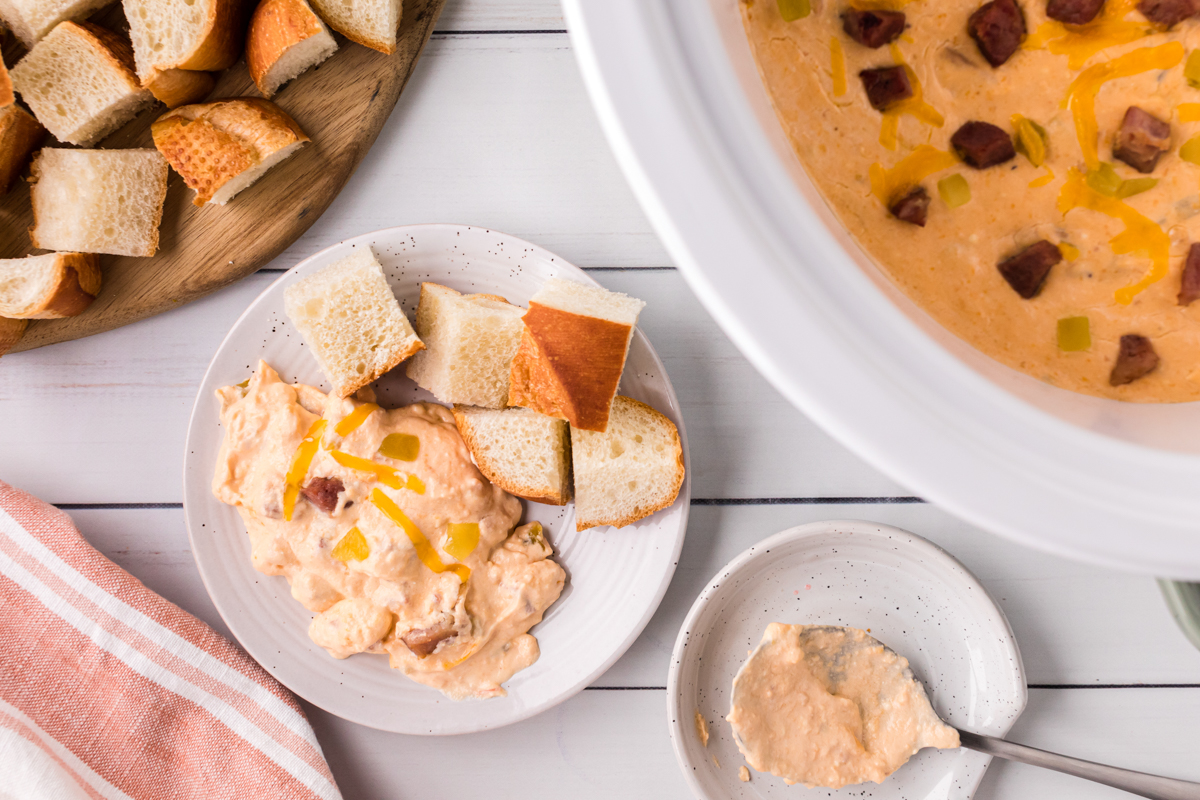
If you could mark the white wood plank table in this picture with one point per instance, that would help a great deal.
(495, 130)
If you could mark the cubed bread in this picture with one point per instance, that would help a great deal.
(11, 330)
(79, 82)
(628, 472)
(98, 201)
(221, 148)
(521, 451)
(371, 23)
(20, 134)
(573, 351)
(286, 38)
(50, 286)
(30, 20)
(204, 35)
(470, 341)
(178, 87)
(351, 321)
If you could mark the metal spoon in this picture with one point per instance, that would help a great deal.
(1139, 783)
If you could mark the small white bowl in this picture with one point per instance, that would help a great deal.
(909, 593)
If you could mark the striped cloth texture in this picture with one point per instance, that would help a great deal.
(107, 690)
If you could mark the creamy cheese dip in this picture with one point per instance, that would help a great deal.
(386, 531)
(830, 706)
(1122, 256)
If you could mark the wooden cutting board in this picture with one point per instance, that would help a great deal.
(341, 105)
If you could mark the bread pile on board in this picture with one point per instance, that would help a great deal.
(534, 390)
(78, 82)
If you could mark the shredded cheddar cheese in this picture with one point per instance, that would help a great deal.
(838, 65)
(887, 184)
(1188, 112)
(1141, 235)
(1081, 96)
(424, 549)
(1081, 42)
(351, 421)
(914, 106)
(300, 464)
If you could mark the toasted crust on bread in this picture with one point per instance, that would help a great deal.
(11, 330)
(216, 146)
(177, 87)
(64, 285)
(569, 366)
(215, 45)
(628, 472)
(351, 20)
(6, 90)
(20, 136)
(512, 446)
(286, 38)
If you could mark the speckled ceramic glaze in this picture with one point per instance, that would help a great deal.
(615, 577)
(910, 594)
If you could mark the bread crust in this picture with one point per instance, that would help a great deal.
(11, 330)
(223, 39)
(366, 41)
(413, 349)
(117, 49)
(276, 27)
(177, 87)
(76, 284)
(493, 473)
(212, 143)
(20, 136)
(6, 90)
(569, 366)
(641, 512)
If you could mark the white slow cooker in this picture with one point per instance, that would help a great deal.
(680, 99)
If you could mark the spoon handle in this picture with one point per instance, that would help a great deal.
(1152, 786)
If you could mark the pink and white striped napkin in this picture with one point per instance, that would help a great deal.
(109, 691)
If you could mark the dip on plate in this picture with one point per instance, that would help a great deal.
(386, 531)
(830, 706)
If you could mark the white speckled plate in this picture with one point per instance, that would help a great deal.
(912, 596)
(615, 578)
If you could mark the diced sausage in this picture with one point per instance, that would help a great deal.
(1141, 139)
(873, 28)
(1027, 270)
(1189, 284)
(1135, 359)
(1074, 12)
(982, 144)
(423, 641)
(1168, 13)
(912, 207)
(323, 493)
(886, 86)
(998, 28)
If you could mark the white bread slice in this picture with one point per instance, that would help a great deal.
(30, 20)
(204, 35)
(177, 87)
(351, 321)
(221, 148)
(521, 451)
(79, 82)
(20, 134)
(11, 330)
(50, 286)
(98, 201)
(469, 341)
(573, 351)
(628, 472)
(286, 38)
(371, 23)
